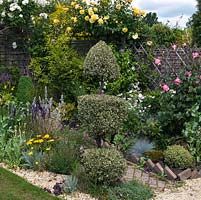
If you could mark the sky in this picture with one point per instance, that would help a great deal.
(171, 11)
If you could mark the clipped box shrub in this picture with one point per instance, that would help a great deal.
(102, 114)
(178, 157)
(100, 62)
(103, 166)
(25, 89)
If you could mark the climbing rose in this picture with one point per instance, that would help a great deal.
(195, 54)
(177, 81)
(157, 61)
(165, 88)
(174, 46)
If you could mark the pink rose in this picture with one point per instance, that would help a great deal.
(157, 61)
(165, 88)
(195, 54)
(177, 81)
(197, 82)
(174, 46)
(188, 73)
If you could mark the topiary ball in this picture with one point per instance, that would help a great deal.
(103, 166)
(178, 157)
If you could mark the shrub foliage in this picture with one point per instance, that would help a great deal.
(103, 166)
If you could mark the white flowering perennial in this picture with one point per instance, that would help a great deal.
(14, 6)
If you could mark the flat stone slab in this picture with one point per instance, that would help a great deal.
(170, 174)
(185, 174)
(195, 174)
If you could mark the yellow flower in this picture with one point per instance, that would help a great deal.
(48, 148)
(135, 36)
(74, 19)
(38, 136)
(29, 142)
(52, 140)
(82, 12)
(30, 153)
(94, 17)
(36, 163)
(73, 3)
(66, 9)
(95, 9)
(32, 148)
(100, 21)
(77, 6)
(90, 11)
(86, 18)
(149, 43)
(125, 30)
(41, 141)
(12, 88)
(143, 13)
(5, 87)
(118, 7)
(56, 21)
(136, 11)
(106, 17)
(46, 136)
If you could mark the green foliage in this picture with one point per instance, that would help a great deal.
(130, 191)
(70, 184)
(178, 157)
(155, 155)
(151, 19)
(100, 63)
(175, 103)
(60, 69)
(192, 132)
(103, 166)
(162, 35)
(25, 89)
(13, 151)
(102, 114)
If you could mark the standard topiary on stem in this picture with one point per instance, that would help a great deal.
(100, 63)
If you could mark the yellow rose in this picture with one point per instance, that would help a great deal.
(90, 11)
(56, 21)
(95, 9)
(73, 3)
(125, 30)
(143, 13)
(118, 7)
(74, 19)
(135, 36)
(106, 17)
(136, 11)
(94, 17)
(82, 12)
(100, 21)
(68, 29)
(66, 9)
(149, 43)
(86, 18)
(77, 6)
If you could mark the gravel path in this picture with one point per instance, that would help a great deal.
(47, 180)
(191, 190)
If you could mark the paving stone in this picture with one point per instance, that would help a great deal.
(161, 185)
(185, 174)
(158, 168)
(138, 174)
(170, 174)
(153, 182)
(150, 164)
(145, 178)
(129, 173)
(195, 174)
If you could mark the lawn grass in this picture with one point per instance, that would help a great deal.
(13, 187)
